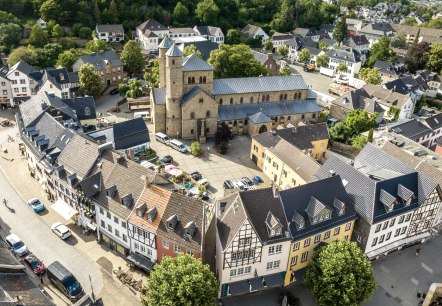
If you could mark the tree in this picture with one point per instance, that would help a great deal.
(6, 17)
(96, 11)
(381, 51)
(25, 54)
(399, 41)
(207, 11)
(434, 23)
(434, 58)
(222, 137)
(9, 35)
(324, 46)
(191, 49)
(96, 45)
(38, 37)
(268, 45)
(132, 57)
(195, 148)
(359, 141)
(234, 61)
(85, 33)
(48, 55)
(50, 10)
(123, 88)
(182, 280)
(359, 121)
(283, 50)
(67, 59)
(153, 76)
(322, 60)
(57, 31)
(233, 37)
(285, 71)
(341, 68)
(416, 57)
(340, 274)
(180, 13)
(340, 132)
(370, 135)
(90, 81)
(113, 12)
(371, 75)
(304, 56)
(134, 89)
(283, 20)
(340, 31)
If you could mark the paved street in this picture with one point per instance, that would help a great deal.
(317, 81)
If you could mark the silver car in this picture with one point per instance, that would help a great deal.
(15, 243)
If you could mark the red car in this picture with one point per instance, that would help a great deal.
(35, 264)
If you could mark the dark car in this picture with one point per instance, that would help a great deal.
(114, 91)
(196, 176)
(228, 184)
(64, 280)
(247, 181)
(166, 159)
(35, 264)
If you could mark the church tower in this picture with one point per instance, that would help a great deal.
(174, 91)
(165, 45)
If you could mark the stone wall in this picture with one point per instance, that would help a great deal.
(208, 86)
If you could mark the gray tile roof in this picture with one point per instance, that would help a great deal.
(412, 129)
(205, 47)
(267, 139)
(281, 108)
(3, 71)
(110, 28)
(80, 104)
(258, 84)
(195, 63)
(295, 202)
(357, 40)
(262, 57)
(434, 122)
(159, 95)
(151, 25)
(314, 207)
(249, 30)
(166, 43)
(50, 128)
(192, 93)
(23, 67)
(344, 54)
(397, 85)
(313, 51)
(358, 99)
(174, 51)
(259, 117)
(377, 29)
(282, 36)
(99, 60)
(207, 30)
(303, 135)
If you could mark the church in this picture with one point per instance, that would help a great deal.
(191, 104)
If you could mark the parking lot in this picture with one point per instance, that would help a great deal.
(216, 168)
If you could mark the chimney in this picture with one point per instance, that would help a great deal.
(269, 55)
(104, 147)
(275, 190)
(222, 206)
(44, 105)
(332, 172)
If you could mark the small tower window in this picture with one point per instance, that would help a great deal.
(191, 131)
(303, 116)
(208, 114)
(173, 62)
(192, 115)
(201, 100)
(285, 96)
(251, 99)
(268, 98)
(201, 79)
(204, 79)
(231, 100)
(263, 98)
(234, 123)
(189, 80)
(193, 80)
(220, 101)
(280, 97)
(240, 100)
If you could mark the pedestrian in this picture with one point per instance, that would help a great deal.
(5, 202)
(418, 250)
(41, 279)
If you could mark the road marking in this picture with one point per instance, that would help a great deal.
(429, 270)
(414, 281)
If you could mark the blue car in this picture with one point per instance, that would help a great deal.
(257, 179)
(36, 205)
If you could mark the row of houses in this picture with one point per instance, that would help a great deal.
(267, 237)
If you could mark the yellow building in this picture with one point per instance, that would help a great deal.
(318, 213)
(289, 157)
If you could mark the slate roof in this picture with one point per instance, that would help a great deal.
(242, 111)
(386, 67)
(281, 36)
(80, 104)
(377, 29)
(303, 135)
(207, 30)
(397, 85)
(91, 185)
(262, 57)
(267, 139)
(73, 77)
(313, 51)
(344, 54)
(159, 95)
(297, 200)
(330, 42)
(434, 122)
(3, 72)
(258, 84)
(386, 96)
(180, 30)
(357, 40)
(195, 63)
(50, 128)
(205, 47)
(23, 68)
(166, 43)
(110, 28)
(259, 117)
(412, 129)
(151, 25)
(57, 76)
(358, 99)
(249, 30)
(174, 51)
(99, 60)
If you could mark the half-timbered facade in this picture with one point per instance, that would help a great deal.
(252, 242)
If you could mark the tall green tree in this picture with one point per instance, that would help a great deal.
(399, 41)
(180, 13)
(304, 56)
(416, 57)
(340, 31)
(381, 51)
(182, 280)
(134, 89)
(283, 50)
(268, 45)
(9, 36)
(67, 59)
(132, 57)
(360, 121)
(38, 37)
(50, 10)
(25, 54)
(341, 68)
(6, 17)
(233, 37)
(285, 71)
(340, 275)
(284, 18)
(49, 54)
(90, 81)
(322, 60)
(235, 61)
(323, 46)
(113, 12)
(434, 58)
(96, 45)
(207, 11)
(96, 11)
(57, 31)
(191, 49)
(371, 75)
(152, 76)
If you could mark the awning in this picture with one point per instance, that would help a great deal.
(239, 288)
(64, 209)
(256, 284)
(274, 280)
(141, 261)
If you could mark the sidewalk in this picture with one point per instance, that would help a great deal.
(15, 167)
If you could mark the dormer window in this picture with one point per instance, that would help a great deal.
(387, 199)
(171, 222)
(274, 226)
(190, 229)
(151, 214)
(141, 210)
(87, 111)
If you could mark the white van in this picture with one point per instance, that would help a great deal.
(145, 115)
(178, 145)
(162, 138)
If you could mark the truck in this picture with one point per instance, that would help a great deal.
(309, 67)
(338, 89)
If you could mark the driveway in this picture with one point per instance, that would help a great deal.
(216, 168)
(315, 80)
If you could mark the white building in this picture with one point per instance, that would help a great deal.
(110, 32)
(5, 89)
(24, 80)
(62, 83)
(150, 33)
(280, 39)
(213, 34)
(252, 242)
(348, 56)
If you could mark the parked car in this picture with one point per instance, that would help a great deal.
(16, 245)
(240, 185)
(61, 230)
(228, 184)
(114, 91)
(204, 182)
(178, 145)
(162, 138)
(35, 264)
(247, 181)
(115, 109)
(196, 176)
(36, 205)
(166, 160)
(64, 280)
(257, 179)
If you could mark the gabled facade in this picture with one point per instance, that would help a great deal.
(252, 242)
(252, 31)
(347, 56)
(23, 81)
(60, 82)
(110, 32)
(213, 34)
